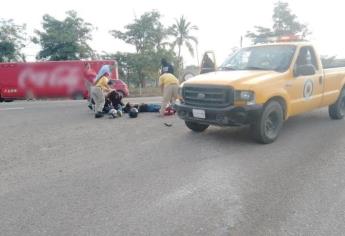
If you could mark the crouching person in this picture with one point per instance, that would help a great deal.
(116, 100)
(169, 86)
(99, 91)
(113, 104)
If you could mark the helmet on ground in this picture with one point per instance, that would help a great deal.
(133, 113)
(113, 113)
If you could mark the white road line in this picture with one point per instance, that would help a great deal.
(11, 108)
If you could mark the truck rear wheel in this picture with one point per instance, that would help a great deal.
(337, 110)
(196, 127)
(266, 129)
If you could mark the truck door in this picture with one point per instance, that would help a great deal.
(208, 63)
(306, 88)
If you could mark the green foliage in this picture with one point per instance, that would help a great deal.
(181, 33)
(138, 69)
(260, 34)
(64, 40)
(284, 23)
(12, 39)
(146, 33)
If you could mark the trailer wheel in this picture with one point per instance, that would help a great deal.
(337, 110)
(196, 127)
(266, 129)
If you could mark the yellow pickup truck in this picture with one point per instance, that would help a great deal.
(262, 86)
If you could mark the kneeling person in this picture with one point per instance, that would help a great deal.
(98, 93)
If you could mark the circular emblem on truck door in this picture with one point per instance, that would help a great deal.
(308, 88)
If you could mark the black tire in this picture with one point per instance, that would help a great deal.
(337, 110)
(196, 127)
(266, 128)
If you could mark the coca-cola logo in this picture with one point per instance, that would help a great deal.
(61, 76)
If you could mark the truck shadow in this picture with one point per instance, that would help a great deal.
(309, 124)
(230, 134)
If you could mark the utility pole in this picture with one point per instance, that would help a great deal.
(197, 54)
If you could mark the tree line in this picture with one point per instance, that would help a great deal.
(68, 39)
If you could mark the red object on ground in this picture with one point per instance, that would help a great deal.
(169, 111)
(52, 79)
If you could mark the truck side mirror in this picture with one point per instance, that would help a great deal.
(304, 70)
(208, 63)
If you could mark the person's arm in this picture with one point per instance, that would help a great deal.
(104, 85)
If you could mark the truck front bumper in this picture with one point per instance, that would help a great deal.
(226, 116)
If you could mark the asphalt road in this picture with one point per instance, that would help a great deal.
(62, 172)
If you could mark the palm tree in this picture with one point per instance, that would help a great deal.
(181, 31)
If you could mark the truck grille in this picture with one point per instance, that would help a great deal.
(208, 96)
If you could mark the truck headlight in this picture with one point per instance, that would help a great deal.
(245, 96)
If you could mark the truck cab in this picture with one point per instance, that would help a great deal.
(262, 86)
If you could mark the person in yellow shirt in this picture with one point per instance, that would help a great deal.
(169, 85)
(100, 89)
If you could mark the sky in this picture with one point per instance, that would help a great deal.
(221, 22)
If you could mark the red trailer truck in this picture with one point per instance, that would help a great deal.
(51, 79)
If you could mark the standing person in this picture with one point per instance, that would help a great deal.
(100, 89)
(166, 67)
(89, 78)
(169, 86)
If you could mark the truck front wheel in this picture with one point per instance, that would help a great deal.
(337, 110)
(196, 127)
(266, 128)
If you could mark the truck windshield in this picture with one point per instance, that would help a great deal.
(271, 57)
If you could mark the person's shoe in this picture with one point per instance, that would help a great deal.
(119, 113)
(99, 115)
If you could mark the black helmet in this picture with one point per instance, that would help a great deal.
(133, 113)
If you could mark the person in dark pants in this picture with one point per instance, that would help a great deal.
(166, 67)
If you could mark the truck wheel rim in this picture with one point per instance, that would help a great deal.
(271, 125)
